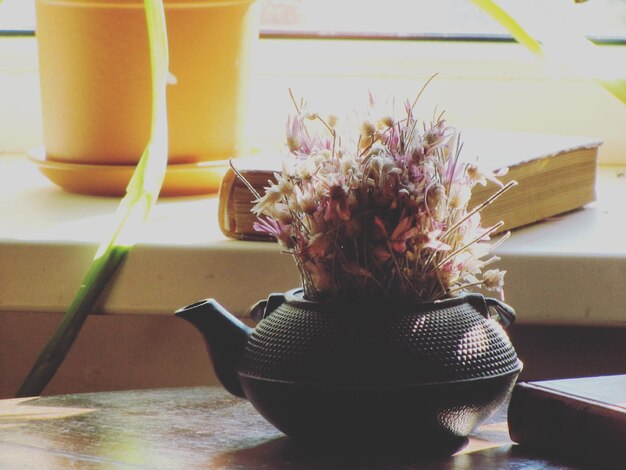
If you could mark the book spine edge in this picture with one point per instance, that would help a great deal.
(561, 423)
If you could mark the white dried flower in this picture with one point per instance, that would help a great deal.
(266, 202)
(493, 279)
(437, 202)
(380, 212)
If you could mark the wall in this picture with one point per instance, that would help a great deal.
(124, 352)
(111, 353)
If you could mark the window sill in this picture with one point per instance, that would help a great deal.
(566, 271)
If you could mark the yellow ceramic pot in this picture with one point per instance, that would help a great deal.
(95, 79)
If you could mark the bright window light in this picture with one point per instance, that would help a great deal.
(446, 19)
(17, 15)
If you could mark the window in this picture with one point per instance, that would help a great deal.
(485, 80)
(17, 16)
(442, 19)
(604, 20)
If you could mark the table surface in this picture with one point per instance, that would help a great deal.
(203, 427)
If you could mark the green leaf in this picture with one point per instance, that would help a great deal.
(134, 208)
(501, 16)
(617, 87)
(569, 48)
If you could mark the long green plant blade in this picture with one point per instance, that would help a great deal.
(512, 26)
(617, 87)
(571, 49)
(134, 208)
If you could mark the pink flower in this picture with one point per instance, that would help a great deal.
(380, 254)
(493, 279)
(476, 175)
(265, 203)
(295, 133)
(320, 277)
(379, 232)
(357, 270)
(433, 242)
(317, 247)
(299, 141)
(274, 228)
(381, 211)
(403, 231)
(437, 202)
(337, 204)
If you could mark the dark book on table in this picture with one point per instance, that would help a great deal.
(582, 417)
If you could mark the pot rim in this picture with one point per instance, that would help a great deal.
(296, 297)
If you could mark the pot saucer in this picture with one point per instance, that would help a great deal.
(183, 179)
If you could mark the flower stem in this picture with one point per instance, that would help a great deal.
(479, 207)
(141, 194)
(467, 245)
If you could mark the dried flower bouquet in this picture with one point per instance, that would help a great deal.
(380, 212)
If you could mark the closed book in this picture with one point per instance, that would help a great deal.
(579, 418)
(555, 174)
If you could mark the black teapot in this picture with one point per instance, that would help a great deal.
(360, 371)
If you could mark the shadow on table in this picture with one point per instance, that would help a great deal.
(282, 453)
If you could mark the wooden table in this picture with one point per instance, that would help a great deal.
(201, 428)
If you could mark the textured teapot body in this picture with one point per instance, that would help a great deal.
(362, 343)
(378, 371)
(375, 371)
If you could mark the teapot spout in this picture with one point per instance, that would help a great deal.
(225, 337)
